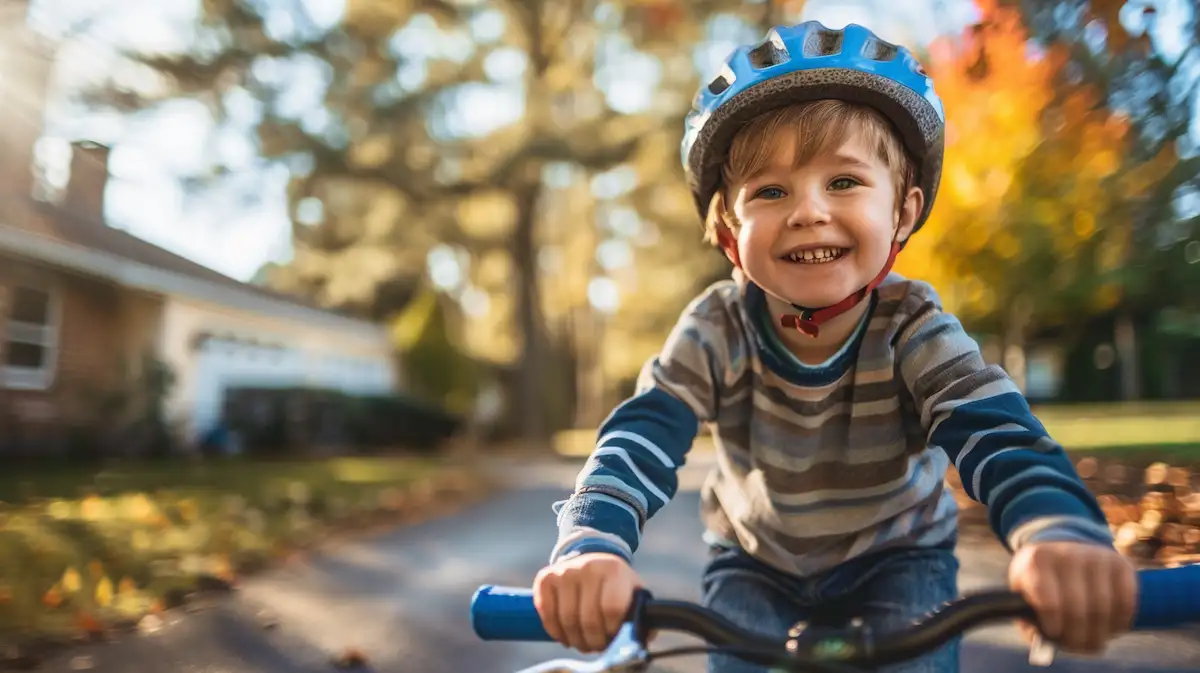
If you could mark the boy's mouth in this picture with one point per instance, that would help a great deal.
(815, 255)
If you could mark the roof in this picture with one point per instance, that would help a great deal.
(73, 231)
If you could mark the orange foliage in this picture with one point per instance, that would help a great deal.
(1029, 161)
(994, 94)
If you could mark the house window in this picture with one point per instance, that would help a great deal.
(31, 338)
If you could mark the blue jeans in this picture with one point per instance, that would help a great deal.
(887, 590)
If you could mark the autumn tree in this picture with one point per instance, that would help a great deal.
(389, 162)
(1142, 63)
(1033, 222)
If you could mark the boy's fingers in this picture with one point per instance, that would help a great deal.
(568, 615)
(1099, 601)
(546, 602)
(615, 598)
(591, 616)
(1045, 597)
(1074, 608)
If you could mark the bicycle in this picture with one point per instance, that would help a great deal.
(1167, 599)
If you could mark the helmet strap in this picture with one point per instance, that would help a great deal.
(809, 320)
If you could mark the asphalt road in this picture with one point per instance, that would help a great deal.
(402, 597)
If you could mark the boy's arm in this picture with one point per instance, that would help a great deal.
(1006, 459)
(631, 474)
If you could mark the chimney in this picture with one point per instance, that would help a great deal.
(26, 64)
(84, 195)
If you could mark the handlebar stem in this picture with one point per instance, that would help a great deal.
(626, 652)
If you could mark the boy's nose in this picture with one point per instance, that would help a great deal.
(809, 210)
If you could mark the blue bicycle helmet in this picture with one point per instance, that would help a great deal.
(810, 62)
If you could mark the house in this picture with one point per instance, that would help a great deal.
(83, 303)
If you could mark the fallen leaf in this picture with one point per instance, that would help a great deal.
(88, 623)
(71, 581)
(53, 597)
(140, 540)
(96, 569)
(93, 508)
(104, 592)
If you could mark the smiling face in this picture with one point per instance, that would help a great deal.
(814, 197)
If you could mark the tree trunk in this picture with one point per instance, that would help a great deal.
(1015, 327)
(589, 378)
(1125, 336)
(530, 371)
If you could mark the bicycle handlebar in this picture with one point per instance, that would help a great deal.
(1166, 599)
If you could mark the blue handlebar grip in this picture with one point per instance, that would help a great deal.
(1168, 598)
(506, 613)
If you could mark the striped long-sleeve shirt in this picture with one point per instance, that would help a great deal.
(819, 464)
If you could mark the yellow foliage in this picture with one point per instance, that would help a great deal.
(1085, 224)
(1107, 297)
(188, 510)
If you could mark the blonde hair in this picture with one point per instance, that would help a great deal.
(819, 126)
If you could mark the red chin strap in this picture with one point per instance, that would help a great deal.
(810, 320)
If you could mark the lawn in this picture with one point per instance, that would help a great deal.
(1172, 427)
(84, 548)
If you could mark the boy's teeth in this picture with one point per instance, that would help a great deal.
(816, 256)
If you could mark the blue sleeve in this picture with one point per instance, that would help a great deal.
(1008, 462)
(629, 477)
(631, 474)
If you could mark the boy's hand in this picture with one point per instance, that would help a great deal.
(1084, 594)
(583, 600)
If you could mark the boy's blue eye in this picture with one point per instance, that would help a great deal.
(769, 193)
(844, 183)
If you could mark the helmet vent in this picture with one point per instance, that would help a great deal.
(718, 85)
(722, 81)
(878, 50)
(822, 42)
(770, 52)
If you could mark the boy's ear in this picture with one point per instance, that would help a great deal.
(728, 243)
(910, 210)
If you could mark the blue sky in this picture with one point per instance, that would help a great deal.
(237, 231)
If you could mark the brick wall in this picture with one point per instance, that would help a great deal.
(93, 322)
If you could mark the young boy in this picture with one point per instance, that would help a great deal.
(813, 158)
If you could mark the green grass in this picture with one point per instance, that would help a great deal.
(1126, 431)
(1100, 427)
(109, 543)
(255, 479)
